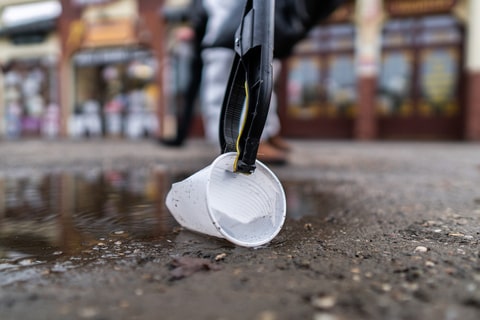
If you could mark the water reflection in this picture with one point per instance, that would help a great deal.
(44, 216)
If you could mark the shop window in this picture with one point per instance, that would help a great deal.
(341, 85)
(438, 82)
(321, 74)
(394, 87)
(420, 68)
(303, 88)
(30, 99)
(115, 94)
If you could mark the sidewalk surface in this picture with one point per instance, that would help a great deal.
(392, 232)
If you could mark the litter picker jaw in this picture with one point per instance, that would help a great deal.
(249, 89)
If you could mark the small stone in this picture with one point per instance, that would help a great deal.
(308, 227)
(324, 316)
(324, 302)
(88, 313)
(267, 315)
(456, 235)
(410, 286)
(421, 249)
(429, 264)
(386, 287)
(119, 232)
(220, 256)
(26, 262)
(355, 270)
(124, 304)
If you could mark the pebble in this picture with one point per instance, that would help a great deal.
(421, 249)
(88, 313)
(220, 256)
(26, 262)
(355, 270)
(324, 302)
(308, 227)
(267, 315)
(386, 287)
(324, 316)
(429, 264)
(456, 235)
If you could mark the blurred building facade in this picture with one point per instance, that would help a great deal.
(95, 63)
(392, 69)
(377, 69)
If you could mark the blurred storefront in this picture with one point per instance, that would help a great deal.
(419, 89)
(29, 54)
(111, 61)
(380, 70)
(317, 90)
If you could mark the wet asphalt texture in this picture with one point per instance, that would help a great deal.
(387, 231)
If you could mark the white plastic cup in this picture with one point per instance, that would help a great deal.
(247, 210)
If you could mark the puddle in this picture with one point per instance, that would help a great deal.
(44, 217)
(96, 214)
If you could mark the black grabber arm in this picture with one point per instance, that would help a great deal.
(249, 89)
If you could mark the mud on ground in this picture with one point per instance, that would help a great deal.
(389, 231)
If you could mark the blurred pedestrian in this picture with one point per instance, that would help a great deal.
(214, 23)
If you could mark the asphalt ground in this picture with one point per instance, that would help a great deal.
(393, 233)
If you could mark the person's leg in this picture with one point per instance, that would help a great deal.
(217, 63)
(271, 132)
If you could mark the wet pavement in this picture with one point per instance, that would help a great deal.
(373, 231)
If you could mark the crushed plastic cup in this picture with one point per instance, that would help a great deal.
(247, 210)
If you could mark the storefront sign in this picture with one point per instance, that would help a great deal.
(409, 7)
(110, 33)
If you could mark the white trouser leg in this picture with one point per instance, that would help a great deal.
(217, 63)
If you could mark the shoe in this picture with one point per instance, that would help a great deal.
(280, 143)
(270, 155)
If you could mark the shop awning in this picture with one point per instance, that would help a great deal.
(14, 15)
(39, 26)
(29, 22)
